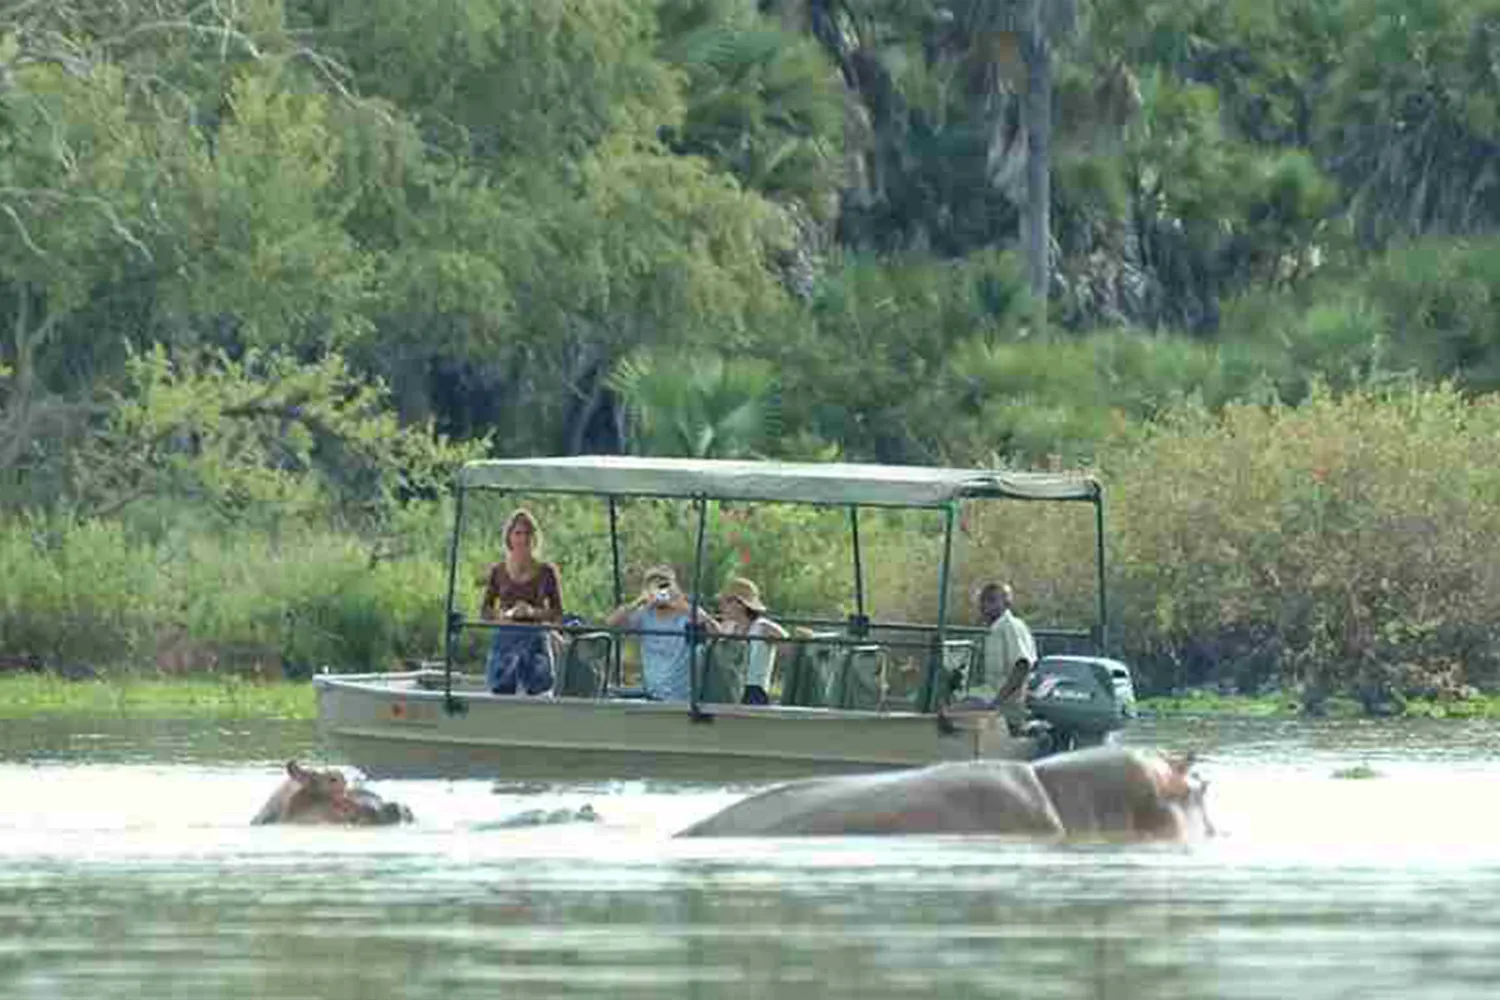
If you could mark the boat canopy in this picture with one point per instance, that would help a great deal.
(789, 482)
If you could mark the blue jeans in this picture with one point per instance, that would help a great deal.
(520, 659)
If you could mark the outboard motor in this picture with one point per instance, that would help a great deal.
(1077, 701)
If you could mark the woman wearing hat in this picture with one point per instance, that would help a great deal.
(743, 612)
(662, 614)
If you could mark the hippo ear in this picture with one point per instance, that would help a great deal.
(297, 772)
(1181, 763)
(1174, 783)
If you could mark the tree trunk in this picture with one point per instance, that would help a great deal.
(1037, 237)
(796, 15)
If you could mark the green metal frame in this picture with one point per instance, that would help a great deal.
(858, 625)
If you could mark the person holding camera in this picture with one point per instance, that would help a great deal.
(662, 614)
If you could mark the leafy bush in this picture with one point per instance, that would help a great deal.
(1340, 545)
(76, 592)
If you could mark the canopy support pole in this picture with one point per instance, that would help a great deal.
(618, 664)
(1101, 639)
(859, 626)
(452, 620)
(935, 667)
(694, 629)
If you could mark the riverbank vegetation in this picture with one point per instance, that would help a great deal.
(268, 272)
(125, 695)
(137, 694)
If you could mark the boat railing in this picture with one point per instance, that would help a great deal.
(851, 664)
(883, 668)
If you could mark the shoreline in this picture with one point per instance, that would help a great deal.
(209, 697)
(1288, 706)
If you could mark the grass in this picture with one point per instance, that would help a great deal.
(1482, 706)
(146, 697)
(1212, 703)
(1359, 772)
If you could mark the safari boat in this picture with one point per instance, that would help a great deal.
(836, 709)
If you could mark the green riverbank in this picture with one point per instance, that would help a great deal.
(1479, 706)
(229, 697)
(142, 697)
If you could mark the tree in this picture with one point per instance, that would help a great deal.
(265, 432)
(709, 407)
(1036, 28)
(73, 194)
(1411, 121)
(763, 103)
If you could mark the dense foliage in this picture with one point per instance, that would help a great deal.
(269, 270)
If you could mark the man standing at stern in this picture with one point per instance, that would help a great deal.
(1009, 652)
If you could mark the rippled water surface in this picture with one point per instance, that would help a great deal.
(128, 869)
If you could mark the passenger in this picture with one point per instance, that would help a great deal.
(742, 612)
(522, 595)
(1009, 652)
(666, 660)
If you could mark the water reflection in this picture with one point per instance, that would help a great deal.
(109, 740)
(130, 871)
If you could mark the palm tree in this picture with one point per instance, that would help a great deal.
(1030, 29)
(707, 406)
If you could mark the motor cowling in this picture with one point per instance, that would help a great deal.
(1079, 700)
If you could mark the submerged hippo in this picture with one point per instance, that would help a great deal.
(325, 797)
(1105, 792)
(544, 817)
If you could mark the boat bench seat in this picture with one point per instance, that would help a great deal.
(721, 672)
(833, 675)
(960, 657)
(583, 670)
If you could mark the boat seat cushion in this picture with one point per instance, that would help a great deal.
(807, 678)
(722, 680)
(859, 683)
(584, 671)
(958, 658)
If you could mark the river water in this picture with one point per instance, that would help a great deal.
(128, 869)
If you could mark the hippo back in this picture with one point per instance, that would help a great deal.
(371, 810)
(997, 797)
(276, 807)
(1133, 794)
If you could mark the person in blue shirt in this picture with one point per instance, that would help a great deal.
(663, 611)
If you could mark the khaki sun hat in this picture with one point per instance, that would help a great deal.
(746, 592)
(662, 572)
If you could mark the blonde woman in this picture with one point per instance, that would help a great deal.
(521, 595)
(742, 612)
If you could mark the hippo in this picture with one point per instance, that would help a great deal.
(1099, 793)
(308, 796)
(544, 817)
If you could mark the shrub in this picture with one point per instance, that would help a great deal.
(76, 592)
(1340, 545)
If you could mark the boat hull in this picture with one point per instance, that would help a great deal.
(400, 726)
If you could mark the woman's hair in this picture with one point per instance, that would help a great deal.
(522, 516)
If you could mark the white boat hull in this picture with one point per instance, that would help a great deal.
(399, 726)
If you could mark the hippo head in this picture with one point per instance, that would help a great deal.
(317, 786)
(1132, 794)
(311, 796)
(1175, 808)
